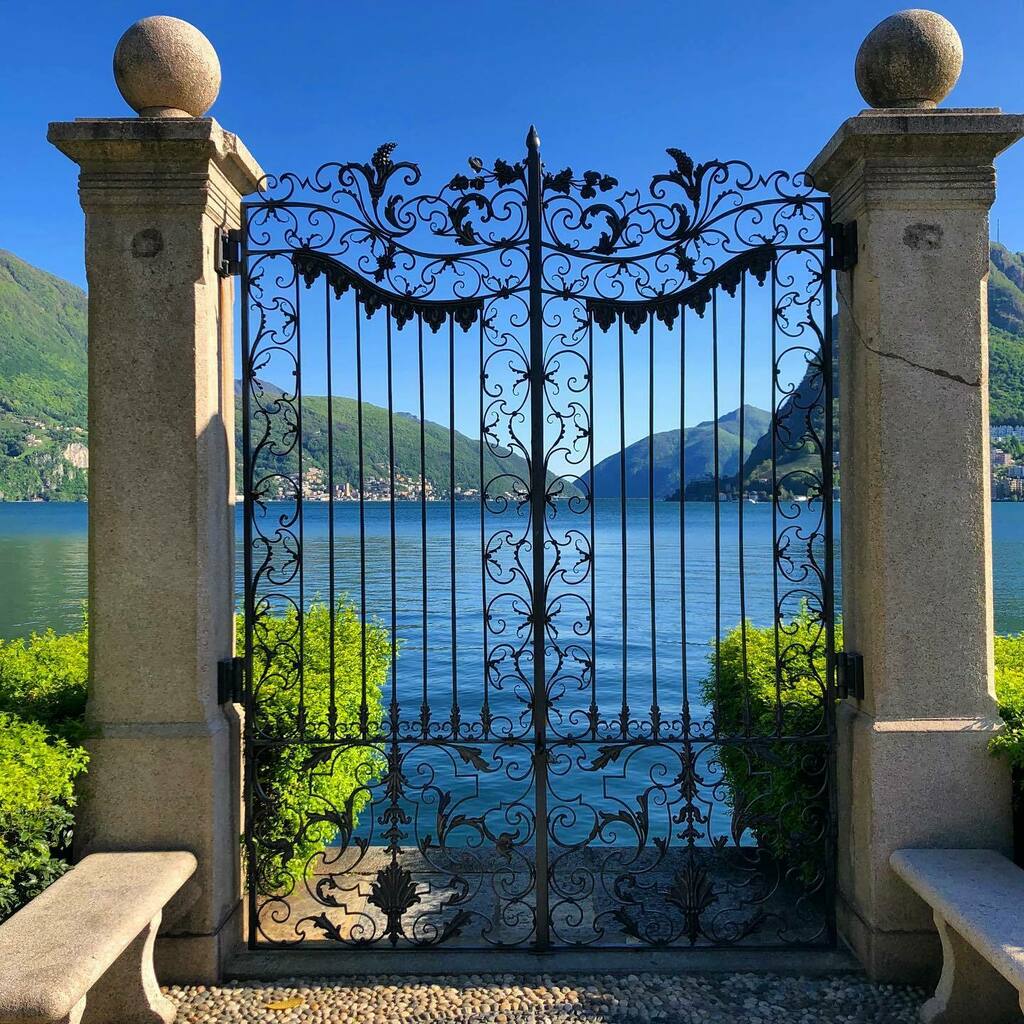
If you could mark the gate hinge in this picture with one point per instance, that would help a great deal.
(849, 675)
(231, 681)
(844, 245)
(228, 257)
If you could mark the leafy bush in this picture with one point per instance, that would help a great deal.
(772, 786)
(778, 788)
(1010, 697)
(37, 774)
(43, 683)
(308, 792)
(42, 704)
(43, 679)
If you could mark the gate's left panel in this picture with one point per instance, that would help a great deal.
(384, 412)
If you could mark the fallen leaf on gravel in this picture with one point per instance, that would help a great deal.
(285, 1004)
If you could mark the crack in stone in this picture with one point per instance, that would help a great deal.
(944, 374)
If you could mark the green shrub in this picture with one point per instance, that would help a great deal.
(309, 793)
(42, 703)
(43, 683)
(37, 774)
(1010, 697)
(778, 789)
(43, 679)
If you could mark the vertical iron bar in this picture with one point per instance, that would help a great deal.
(248, 597)
(332, 705)
(364, 714)
(827, 356)
(739, 511)
(425, 706)
(485, 710)
(456, 716)
(718, 518)
(391, 510)
(301, 717)
(624, 710)
(593, 537)
(682, 519)
(776, 610)
(655, 709)
(538, 486)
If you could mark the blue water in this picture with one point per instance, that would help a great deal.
(43, 565)
(652, 646)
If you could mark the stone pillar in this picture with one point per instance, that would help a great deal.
(913, 768)
(164, 769)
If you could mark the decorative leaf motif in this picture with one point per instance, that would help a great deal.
(393, 891)
(692, 891)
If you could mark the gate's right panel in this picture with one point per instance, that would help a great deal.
(689, 573)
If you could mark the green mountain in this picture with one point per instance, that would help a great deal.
(344, 413)
(43, 443)
(1006, 335)
(698, 452)
(42, 384)
(1006, 379)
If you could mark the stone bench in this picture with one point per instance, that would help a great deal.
(85, 944)
(977, 899)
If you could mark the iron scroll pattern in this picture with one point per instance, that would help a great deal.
(475, 865)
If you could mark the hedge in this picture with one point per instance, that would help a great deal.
(778, 789)
(42, 703)
(780, 795)
(307, 791)
(43, 682)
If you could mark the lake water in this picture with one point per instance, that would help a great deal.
(43, 565)
(44, 557)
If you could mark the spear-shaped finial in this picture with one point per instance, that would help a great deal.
(532, 139)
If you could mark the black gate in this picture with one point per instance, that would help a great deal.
(527, 663)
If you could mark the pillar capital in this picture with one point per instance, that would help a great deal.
(149, 161)
(914, 157)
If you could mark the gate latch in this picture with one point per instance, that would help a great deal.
(849, 675)
(228, 257)
(230, 681)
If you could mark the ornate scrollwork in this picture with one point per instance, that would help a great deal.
(441, 842)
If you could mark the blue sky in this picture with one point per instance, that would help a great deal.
(609, 85)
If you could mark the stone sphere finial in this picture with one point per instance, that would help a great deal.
(166, 67)
(912, 59)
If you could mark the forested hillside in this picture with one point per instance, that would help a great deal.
(43, 442)
(42, 384)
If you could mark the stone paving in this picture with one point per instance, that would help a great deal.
(553, 999)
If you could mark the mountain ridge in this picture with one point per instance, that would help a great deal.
(43, 400)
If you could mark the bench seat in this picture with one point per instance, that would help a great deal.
(93, 929)
(977, 900)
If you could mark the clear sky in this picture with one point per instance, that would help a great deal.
(609, 85)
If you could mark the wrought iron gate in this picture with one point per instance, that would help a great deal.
(498, 693)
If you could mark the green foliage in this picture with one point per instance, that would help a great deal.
(42, 702)
(1006, 377)
(311, 793)
(778, 788)
(1010, 697)
(37, 774)
(376, 463)
(42, 344)
(43, 682)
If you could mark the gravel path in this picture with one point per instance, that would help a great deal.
(552, 999)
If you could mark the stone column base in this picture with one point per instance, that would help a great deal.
(187, 959)
(891, 957)
(909, 784)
